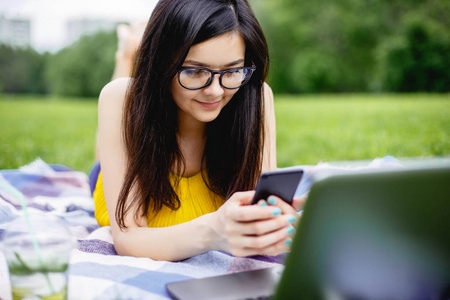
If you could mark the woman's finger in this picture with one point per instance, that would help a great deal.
(285, 207)
(251, 213)
(298, 203)
(263, 241)
(241, 198)
(271, 250)
(277, 248)
(263, 226)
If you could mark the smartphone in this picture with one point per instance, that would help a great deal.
(281, 183)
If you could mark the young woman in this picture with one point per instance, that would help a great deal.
(192, 129)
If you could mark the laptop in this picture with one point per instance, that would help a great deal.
(374, 234)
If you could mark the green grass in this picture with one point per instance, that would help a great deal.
(57, 131)
(310, 128)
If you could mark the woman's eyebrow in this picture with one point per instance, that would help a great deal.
(237, 62)
(202, 65)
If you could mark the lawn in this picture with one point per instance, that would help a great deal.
(58, 131)
(352, 127)
(310, 128)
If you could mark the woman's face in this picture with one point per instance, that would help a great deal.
(223, 52)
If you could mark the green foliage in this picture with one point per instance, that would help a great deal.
(315, 47)
(22, 70)
(354, 45)
(416, 59)
(321, 46)
(312, 71)
(83, 68)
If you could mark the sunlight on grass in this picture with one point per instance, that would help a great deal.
(57, 131)
(310, 129)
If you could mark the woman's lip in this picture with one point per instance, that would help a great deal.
(209, 105)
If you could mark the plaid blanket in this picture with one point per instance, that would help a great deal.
(96, 271)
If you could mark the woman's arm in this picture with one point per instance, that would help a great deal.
(270, 146)
(237, 228)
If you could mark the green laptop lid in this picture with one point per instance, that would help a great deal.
(373, 235)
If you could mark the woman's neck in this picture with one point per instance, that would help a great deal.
(191, 140)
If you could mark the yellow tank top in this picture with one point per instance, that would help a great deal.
(195, 197)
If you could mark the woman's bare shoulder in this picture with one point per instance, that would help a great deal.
(113, 94)
(267, 90)
(110, 107)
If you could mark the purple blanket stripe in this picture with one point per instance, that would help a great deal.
(93, 176)
(271, 259)
(96, 246)
(91, 228)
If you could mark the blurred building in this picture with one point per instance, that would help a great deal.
(49, 25)
(79, 27)
(15, 31)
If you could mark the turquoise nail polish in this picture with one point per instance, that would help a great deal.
(263, 203)
(290, 230)
(272, 200)
(288, 242)
(291, 219)
(276, 211)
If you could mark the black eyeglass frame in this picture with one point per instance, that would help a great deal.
(213, 73)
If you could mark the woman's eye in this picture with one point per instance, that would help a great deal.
(233, 73)
(195, 73)
(190, 72)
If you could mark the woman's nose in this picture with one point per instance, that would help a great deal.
(214, 88)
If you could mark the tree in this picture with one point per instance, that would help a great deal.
(22, 70)
(415, 59)
(342, 45)
(83, 68)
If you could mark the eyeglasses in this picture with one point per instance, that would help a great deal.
(194, 78)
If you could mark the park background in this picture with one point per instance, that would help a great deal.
(353, 80)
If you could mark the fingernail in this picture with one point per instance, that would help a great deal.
(288, 242)
(276, 211)
(290, 230)
(272, 200)
(263, 203)
(291, 219)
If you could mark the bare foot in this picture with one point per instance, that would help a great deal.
(129, 38)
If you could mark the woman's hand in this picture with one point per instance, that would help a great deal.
(245, 230)
(287, 209)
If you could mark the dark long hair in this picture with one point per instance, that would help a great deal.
(233, 151)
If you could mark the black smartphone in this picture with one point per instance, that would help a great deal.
(281, 183)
